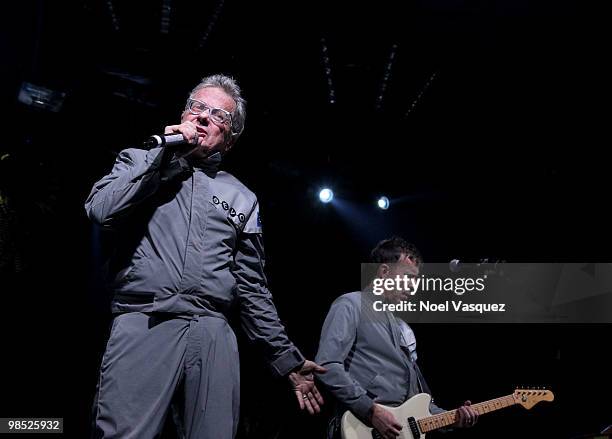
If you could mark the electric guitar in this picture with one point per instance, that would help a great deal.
(416, 420)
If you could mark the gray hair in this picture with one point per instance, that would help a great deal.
(231, 87)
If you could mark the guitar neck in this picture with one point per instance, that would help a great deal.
(448, 418)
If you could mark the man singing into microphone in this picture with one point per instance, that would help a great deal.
(189, 247)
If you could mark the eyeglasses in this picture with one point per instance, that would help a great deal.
(218, 115)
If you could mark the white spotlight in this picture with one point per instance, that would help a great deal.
(326, 195)
(383, 203)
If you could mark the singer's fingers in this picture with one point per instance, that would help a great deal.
(188, 129)
(184, 128)
(171, 129)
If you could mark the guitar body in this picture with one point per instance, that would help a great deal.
(416, 407)
(415, 419)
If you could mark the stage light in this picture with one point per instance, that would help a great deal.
(41, 97)
(166, 14)
(326, 195)
(383, 203)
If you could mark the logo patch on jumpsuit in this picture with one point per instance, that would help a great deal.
(232, 212)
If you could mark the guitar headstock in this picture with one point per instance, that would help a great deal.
(530, 397)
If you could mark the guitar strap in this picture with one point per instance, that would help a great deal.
(404, 344)
(422, 383)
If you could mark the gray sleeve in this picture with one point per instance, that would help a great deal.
(337, 339)
(434, 409)
(135, 176)
(258, 314)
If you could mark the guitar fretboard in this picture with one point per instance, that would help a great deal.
(448, 418)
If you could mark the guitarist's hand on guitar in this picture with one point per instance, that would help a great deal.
(384, 422)
(302, 381)
(466, 416)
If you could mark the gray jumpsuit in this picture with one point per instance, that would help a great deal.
(189, 247)
(370, 357)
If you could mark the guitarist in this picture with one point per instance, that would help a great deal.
(370, 355)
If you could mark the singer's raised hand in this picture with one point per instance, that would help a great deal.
(187, 129)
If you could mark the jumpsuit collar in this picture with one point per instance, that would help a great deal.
(209, 165)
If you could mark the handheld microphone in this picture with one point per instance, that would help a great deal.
(164, 140)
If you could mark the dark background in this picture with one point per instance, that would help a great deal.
(487, 135)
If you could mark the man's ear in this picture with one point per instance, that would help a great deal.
(230, 143)
(383, 270)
